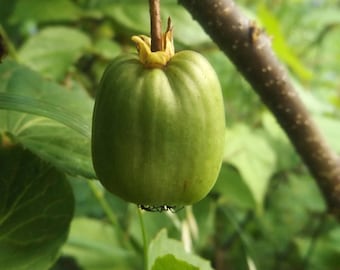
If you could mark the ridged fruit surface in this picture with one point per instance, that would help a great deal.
(158, 133)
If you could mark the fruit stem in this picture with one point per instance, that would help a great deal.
(155, 25)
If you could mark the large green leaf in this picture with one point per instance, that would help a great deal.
(45, 11)
(64, 147)
(36, 207)
(162, 246)
(233, 189)
(95, 246)
(169, 262)
(106, 48)
(252, 155)
(53, 50)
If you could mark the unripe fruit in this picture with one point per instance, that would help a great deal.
(158, 133)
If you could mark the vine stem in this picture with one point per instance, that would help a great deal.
(155, 25)
(145, 241)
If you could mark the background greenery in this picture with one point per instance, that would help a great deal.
(265, 211)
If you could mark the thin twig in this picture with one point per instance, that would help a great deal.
(156, 25)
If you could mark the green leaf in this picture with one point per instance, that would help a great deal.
(106, 48)
(315, 104)
(53, 50)
(186, 30)
(204, 215)
(252, 155)
(233, 189)
(45, 11)
(95, 246)
(304, 191)
(280, 45)
(286, 156)
(330, 128)
(6, 10)
(241, 101)
(24, 90)
(325, 253)
(169, 262)
(294, 209)
(36, 207)
(153, 223)
(162, 246)
(9, 101)
(319, 18)
(135, 18)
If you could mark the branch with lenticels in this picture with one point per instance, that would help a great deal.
(249, 48)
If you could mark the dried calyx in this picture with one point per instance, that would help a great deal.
(160, 208)
(156, 59)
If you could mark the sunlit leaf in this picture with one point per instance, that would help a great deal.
(280, 46)
(134, 17)
(53, 50)
(45, 11)
(169, 262)
(162, 246)
(95, 246)
(233, 188)
(64, 147)
(252, 155)
(106, 48)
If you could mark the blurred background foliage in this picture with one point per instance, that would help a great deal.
(265, 211)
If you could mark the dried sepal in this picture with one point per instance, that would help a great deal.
(156, 59)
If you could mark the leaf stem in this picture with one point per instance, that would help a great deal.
(145, 241)
(155, 25)
(102, 201)
(99, 194)
(9, 47)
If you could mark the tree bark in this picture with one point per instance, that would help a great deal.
(249, 48)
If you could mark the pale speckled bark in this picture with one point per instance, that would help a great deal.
(249, 48)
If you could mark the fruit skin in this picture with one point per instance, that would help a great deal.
(158, 134)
